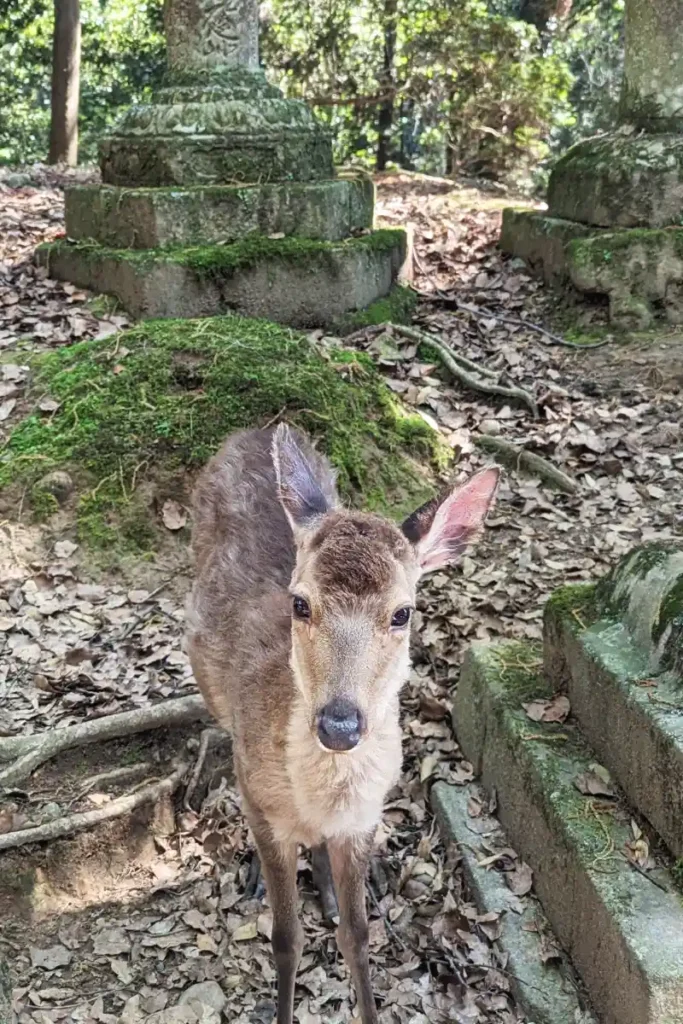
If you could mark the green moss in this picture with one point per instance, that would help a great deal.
(144, 411)
(671, 618)
(677, 874)
(576, 602)
(396, 307)
(43, 503)
(518, 666)
(221, 261)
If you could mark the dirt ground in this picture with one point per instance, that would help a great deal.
(112, 925)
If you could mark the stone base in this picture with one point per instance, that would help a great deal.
(624, 933)
(620, 181)
(292, 281)
(640, 270)
(545, 991)
(540, 240)
(601, 667)
(149, 218)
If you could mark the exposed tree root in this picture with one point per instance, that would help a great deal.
(521, 459)
(32, 751)
(209, 738)
(464, 370)
(60, 827)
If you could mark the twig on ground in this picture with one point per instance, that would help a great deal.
(60, 827)
(644, 873)
(482, 383)
(517, 321)
(209, 737)
(522, 459)
(127, 771)
(32, 751)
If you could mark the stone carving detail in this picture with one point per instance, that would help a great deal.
(211, 33)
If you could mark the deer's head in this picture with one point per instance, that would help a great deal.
(353, 592)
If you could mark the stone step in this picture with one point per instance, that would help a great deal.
(149, 218)
(623, 931)
(617, 648)
(294, 281)
(546, 992)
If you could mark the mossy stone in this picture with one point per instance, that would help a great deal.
(151, 218)
(139, 415)
(620, 181)
(297, 281)
(640, 270)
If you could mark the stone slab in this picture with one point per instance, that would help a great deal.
(640, 271)
(540, 240)
(611, 677)
(149, 218)
(620, 181)
(292, 281)
(623, 933)
(547, 993)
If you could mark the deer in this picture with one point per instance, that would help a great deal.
(298, 635)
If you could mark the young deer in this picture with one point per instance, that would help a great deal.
(298, 636)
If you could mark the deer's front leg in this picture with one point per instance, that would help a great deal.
(278, 864)
(349, 861)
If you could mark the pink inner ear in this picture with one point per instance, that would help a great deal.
(458, 520)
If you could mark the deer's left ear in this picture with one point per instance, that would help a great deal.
(442, 528)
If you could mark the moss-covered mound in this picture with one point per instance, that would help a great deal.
(139, 414)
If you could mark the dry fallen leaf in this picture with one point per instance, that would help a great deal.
(173, 515)
(595, 783)
(520, 879)
(555, 710)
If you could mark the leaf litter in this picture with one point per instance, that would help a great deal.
(72, 647)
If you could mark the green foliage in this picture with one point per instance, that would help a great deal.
(149, 410)
(122, 56)
(471, 90)
(462, 85)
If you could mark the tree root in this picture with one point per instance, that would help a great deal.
(60, 827)
(210, 737)
(521, 459)
(32, 751)
(464, 369)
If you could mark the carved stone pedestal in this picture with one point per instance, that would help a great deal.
(609, 198)
(216, 160)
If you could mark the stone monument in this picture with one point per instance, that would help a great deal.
(615, 202)
(220, 194)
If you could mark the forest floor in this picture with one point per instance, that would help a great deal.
(113, 924)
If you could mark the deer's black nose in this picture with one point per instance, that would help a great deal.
(340, 725)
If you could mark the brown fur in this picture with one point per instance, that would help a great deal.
(259, 537)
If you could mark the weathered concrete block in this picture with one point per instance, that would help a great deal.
(636, 269)
(541, 241)
(298, 282)
(603, 643)
(149, 218)
(547, 993)
(620, 181)
(624, 934)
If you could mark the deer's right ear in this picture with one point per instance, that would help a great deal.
(299, 492)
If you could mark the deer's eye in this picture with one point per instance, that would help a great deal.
(301, 609)
(400, 618)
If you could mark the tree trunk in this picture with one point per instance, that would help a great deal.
(66, 62)
(385, 119)
(652, 91)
